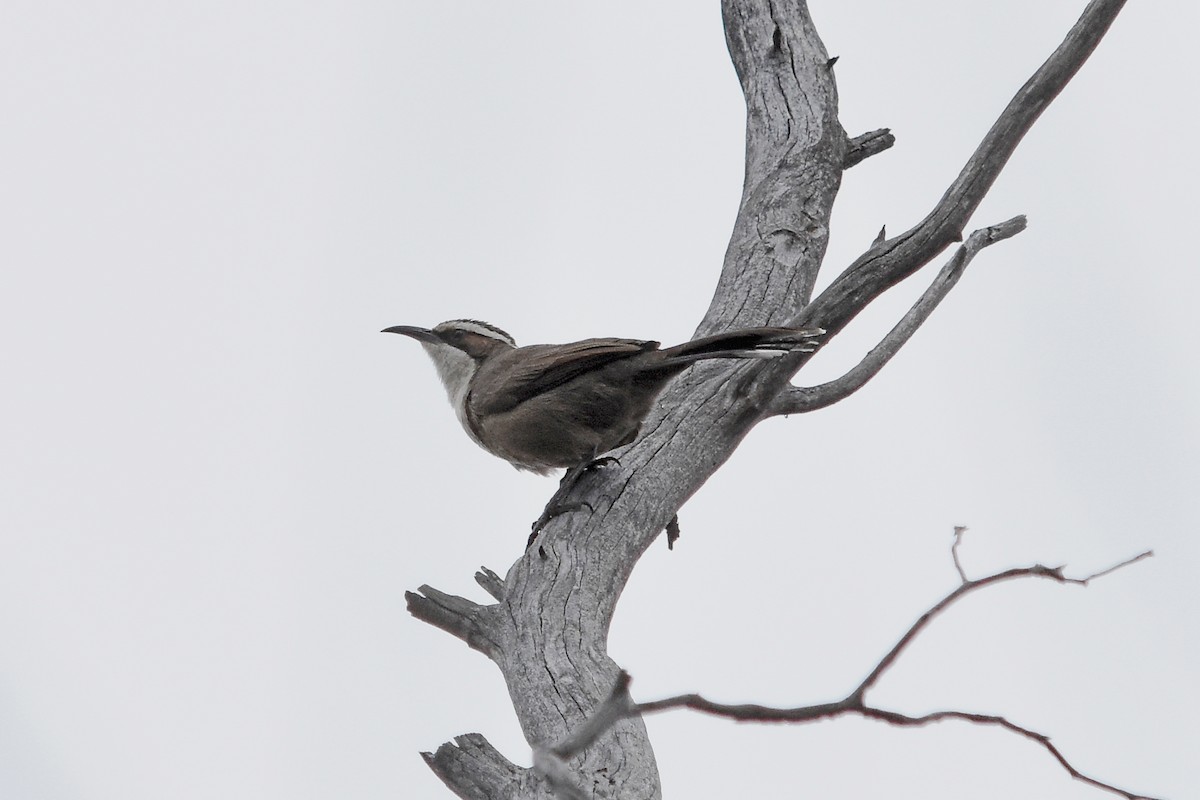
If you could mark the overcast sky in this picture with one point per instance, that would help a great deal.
(217, 479)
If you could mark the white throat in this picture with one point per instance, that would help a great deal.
(456, 369)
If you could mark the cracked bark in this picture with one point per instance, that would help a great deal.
(548, 629)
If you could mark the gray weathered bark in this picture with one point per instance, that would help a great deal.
(547, 630)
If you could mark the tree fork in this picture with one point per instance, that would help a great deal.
(548, 629)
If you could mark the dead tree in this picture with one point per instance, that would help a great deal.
(547, 629)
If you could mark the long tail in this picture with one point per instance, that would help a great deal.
(747, 343)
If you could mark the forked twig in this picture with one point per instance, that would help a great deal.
(801, 399)
(620, 705)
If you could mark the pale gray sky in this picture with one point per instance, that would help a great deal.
(218, 478)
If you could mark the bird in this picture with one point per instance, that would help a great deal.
(544, 407)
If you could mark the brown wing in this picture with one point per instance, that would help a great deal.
(508, 379)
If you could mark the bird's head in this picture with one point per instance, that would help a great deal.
(457, 347)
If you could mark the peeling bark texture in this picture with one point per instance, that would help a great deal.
(795, 148)
(548, 629)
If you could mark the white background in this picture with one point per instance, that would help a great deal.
(218, 478)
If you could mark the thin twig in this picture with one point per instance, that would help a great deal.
(959, 530)
(1109, 570)
(902, 720)
(1034, 571)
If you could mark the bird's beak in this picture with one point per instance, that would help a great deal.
(420, 334)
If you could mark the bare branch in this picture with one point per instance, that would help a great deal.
(756, 713)
(891, 261)
(750, 712)
(619, 705)
(866, 145)
(795, 151)
(453, 614)
(798, 400)
(473, 769)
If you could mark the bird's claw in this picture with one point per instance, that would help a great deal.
(555, 509)
(599, 463)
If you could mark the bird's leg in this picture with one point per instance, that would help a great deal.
(554, 509)
(559, 504)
